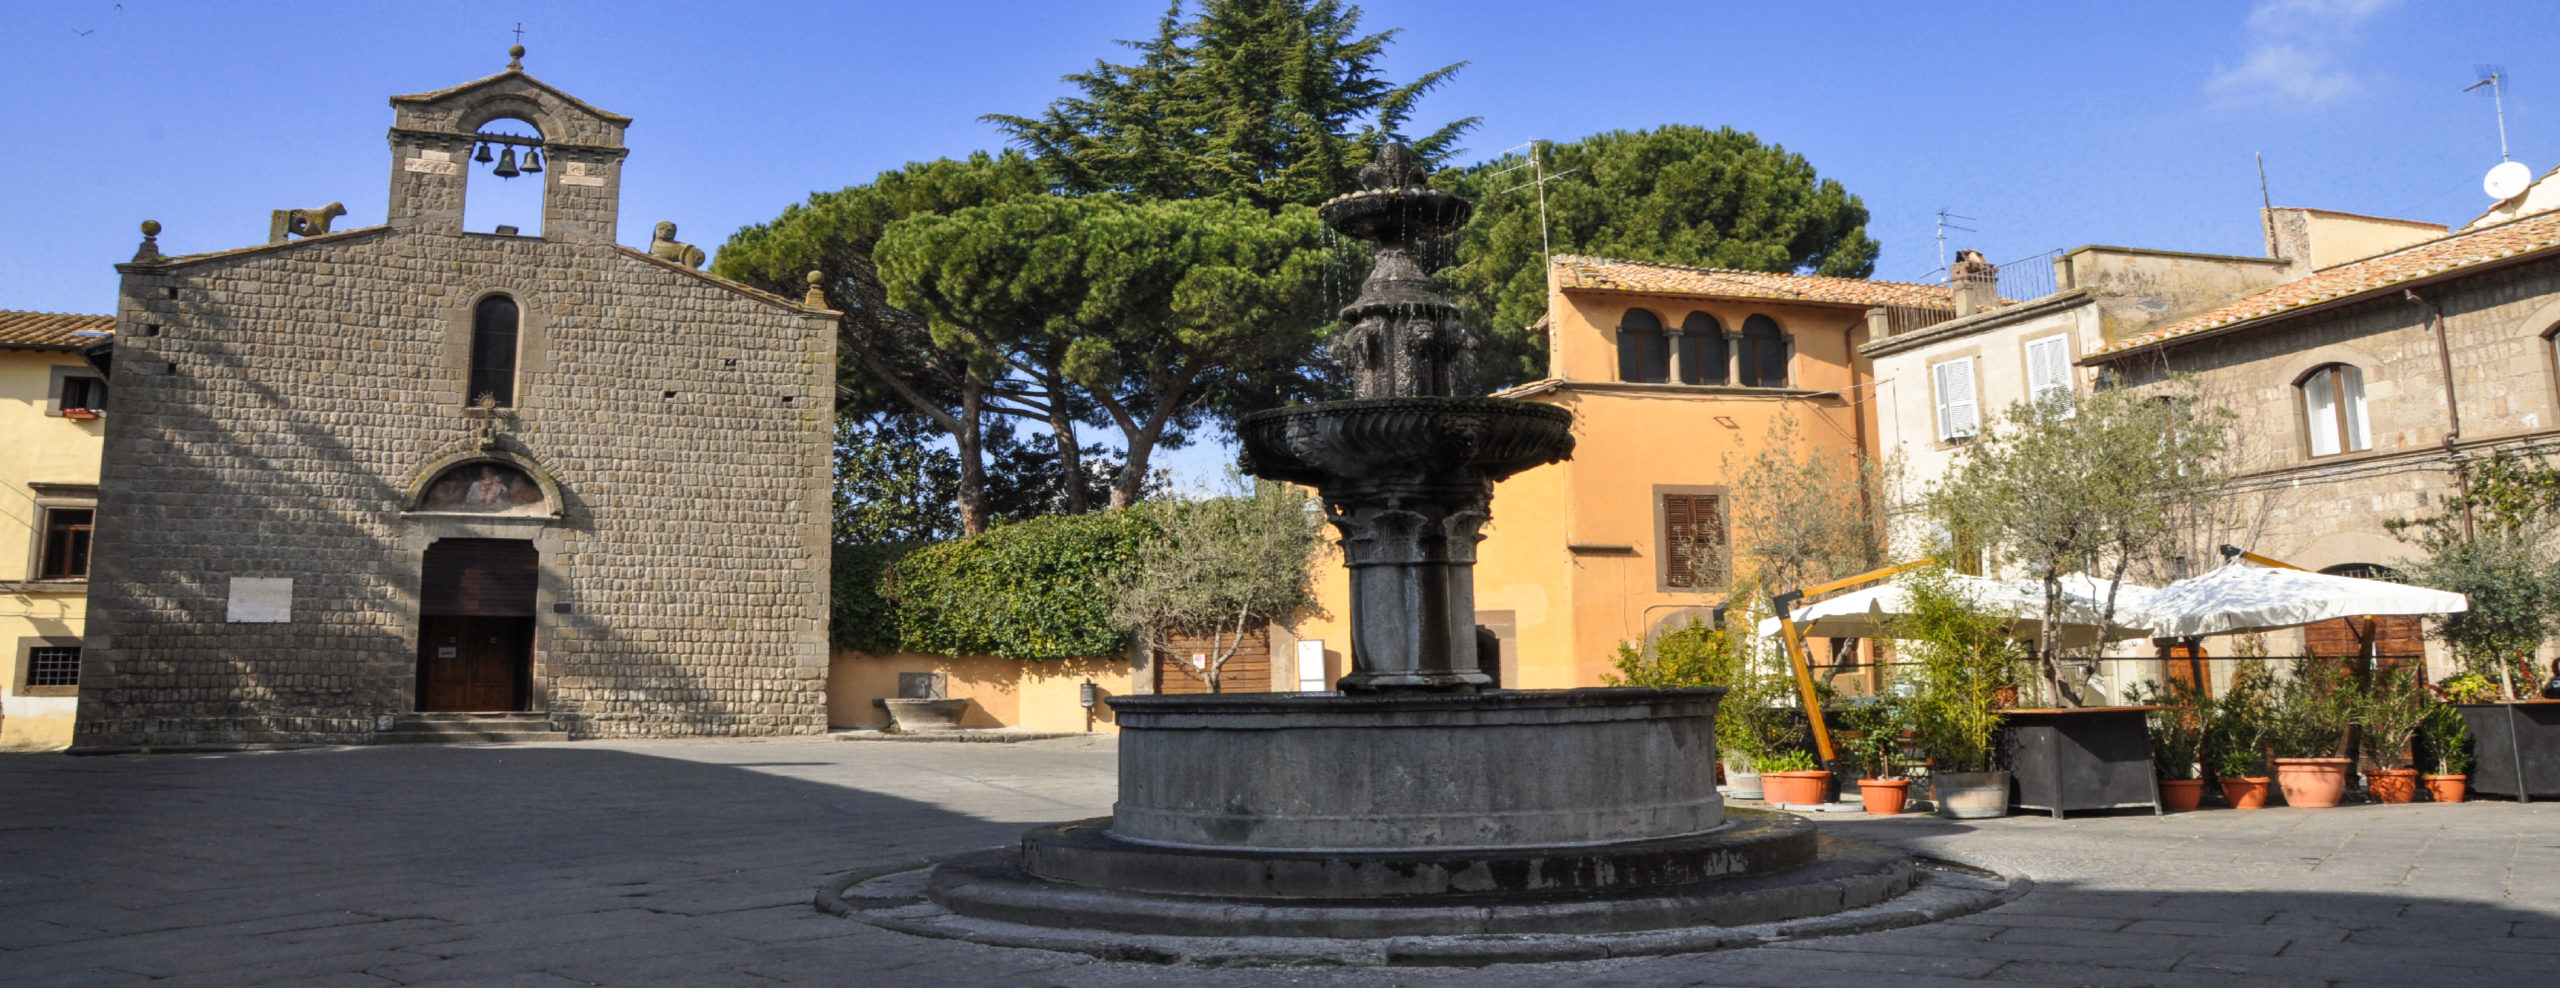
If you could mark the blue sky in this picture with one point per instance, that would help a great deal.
(2052, 124)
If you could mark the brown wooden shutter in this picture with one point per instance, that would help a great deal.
(1693, 539)
(479, 577)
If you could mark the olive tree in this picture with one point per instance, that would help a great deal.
(2099, 483)
(1218, 568)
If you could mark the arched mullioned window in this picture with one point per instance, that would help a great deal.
(2333, 418)
(1644, 354)
(1764, 353)
(493, 352)
(1703, 353)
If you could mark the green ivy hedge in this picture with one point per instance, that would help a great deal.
(1029, 590)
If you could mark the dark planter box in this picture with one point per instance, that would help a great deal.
(2095, 758)
(2515, 748)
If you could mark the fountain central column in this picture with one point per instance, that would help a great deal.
(1406, 468)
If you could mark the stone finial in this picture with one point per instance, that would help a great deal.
(817, 297)
(150, 249)
(1394, 168)
(515, 57)
(664, 245)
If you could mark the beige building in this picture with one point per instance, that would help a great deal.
(53, 406)
(1940, 384)
(2362, 385)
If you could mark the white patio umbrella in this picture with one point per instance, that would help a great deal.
(1869, 613)
(2239, 597)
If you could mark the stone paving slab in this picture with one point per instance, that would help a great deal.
(694, 862)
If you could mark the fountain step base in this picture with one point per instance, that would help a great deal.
(1853, 887)
(1750, 844)
(1850, 875)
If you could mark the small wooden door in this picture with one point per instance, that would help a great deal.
(473, 663)
(475, 626)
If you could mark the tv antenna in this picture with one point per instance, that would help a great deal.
(1535, 163)
(2510, 178)
(1943, 227)
(2494, 79)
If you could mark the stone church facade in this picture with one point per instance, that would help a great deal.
(361, 476)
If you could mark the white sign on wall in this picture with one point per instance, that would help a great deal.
(1311, 665)
(261, 600)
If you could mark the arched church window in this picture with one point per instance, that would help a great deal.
(1703, 351)
(493, 352)
(483, 488)
(1644, 354)
(1764, 353)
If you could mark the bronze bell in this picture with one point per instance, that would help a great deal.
(532, 161)
(483, 156)
(506, 163)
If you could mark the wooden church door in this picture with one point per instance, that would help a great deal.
(475, 625)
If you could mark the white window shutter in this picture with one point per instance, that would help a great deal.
(1957, 415)
(2049, 370)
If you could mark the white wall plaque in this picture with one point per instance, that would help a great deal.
(261, 600)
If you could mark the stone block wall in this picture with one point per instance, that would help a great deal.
(277, 408)
(2329, 510)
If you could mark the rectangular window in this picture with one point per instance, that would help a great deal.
(2049, 372)
(1693, 540)
(66, 543)
(1958, 415)
(84, 392)
(53, 665)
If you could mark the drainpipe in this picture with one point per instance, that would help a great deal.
(2452, 410)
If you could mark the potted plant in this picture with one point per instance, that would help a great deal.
(2177, 740)
(2443, 748)
(1794, 778)
(2468, 687)
(2236, 743)
(1962, 657)
(2312, 710)
(1878, 723)
(2392, 710)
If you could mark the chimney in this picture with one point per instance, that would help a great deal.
(1976, 283)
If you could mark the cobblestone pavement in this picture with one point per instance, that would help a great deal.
(684, 862)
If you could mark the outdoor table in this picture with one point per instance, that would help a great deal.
(2515, 747)
(2091, 758)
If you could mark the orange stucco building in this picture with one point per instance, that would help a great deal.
(1667, 370)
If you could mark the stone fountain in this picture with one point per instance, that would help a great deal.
(1414, 803)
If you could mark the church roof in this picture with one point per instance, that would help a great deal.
(1575, 271)
(2357, 279)
(517, 74)
(22, 330)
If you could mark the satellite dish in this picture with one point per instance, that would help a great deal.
(2507, 180)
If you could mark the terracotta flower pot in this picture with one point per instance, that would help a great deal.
(2180, 795)
(2447, 788)
(2249, 793)
(2004, 695)
(1799, 788)
(2393, 785)
(2312, 783)
(1884, 797)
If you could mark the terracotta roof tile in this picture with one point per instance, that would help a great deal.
(1574, 271)
(52, 330)
(2435, 257)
